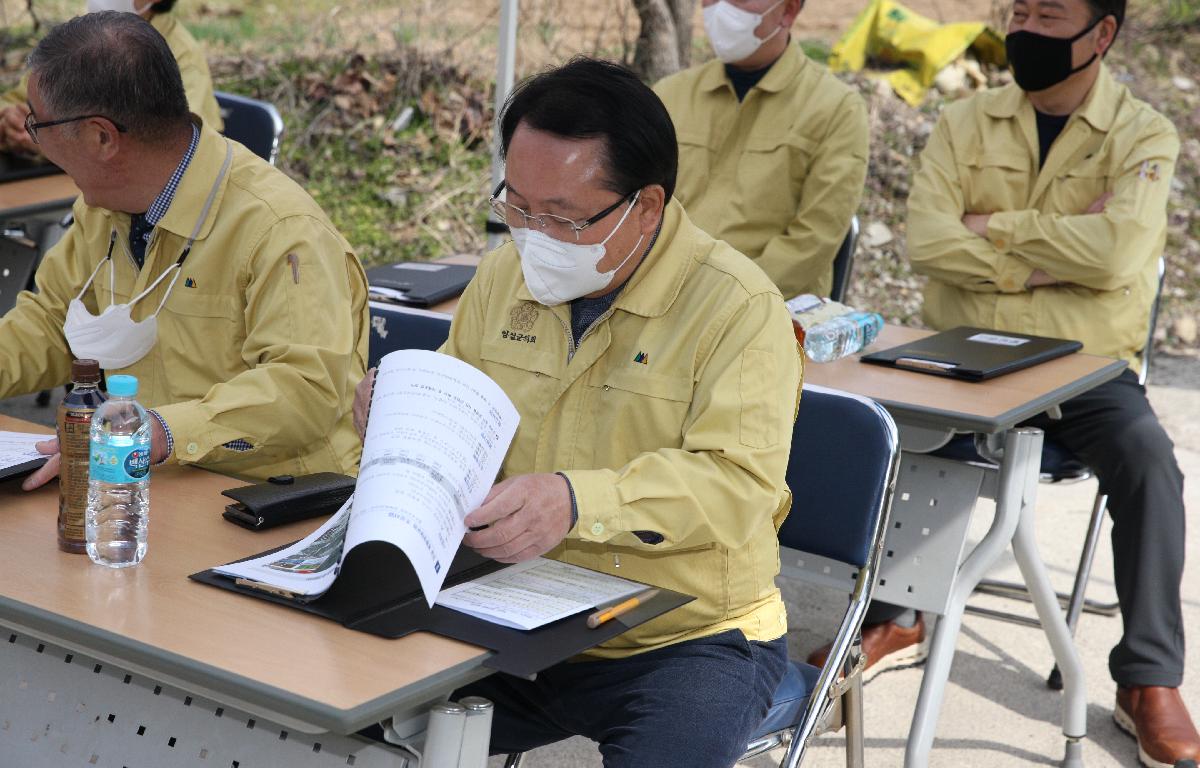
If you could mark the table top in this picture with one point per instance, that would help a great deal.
(268, 659)
(922, 399)
(44, 193)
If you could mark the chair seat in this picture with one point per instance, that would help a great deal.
(787, 706)
(1058, 464)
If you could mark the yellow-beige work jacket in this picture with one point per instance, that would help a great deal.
(672, 419)
(262, 339)
(983, 158)
(778, 175)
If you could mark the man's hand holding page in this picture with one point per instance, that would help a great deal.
(526, 516)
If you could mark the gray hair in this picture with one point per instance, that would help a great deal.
(112, 64)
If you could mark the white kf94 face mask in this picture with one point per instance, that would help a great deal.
(557, 272)
(125, 6)
(731, 30)
(113, 338)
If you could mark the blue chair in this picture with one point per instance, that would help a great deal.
(255, 124)
(843, 465)
(395, 327)
(843, 263)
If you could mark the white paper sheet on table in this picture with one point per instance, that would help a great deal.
(536, 592)
(18, 448)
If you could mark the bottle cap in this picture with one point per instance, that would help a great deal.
(122, 385)
(85, 372)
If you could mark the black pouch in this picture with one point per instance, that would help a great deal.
(286, 499)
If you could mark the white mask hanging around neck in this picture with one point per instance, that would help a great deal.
(557, 272)
(114, 338)
(731, 30)
(125, 6)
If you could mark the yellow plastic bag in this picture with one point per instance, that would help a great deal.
(910, 48)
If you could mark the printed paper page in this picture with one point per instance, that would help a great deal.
(17, 448)
(536, 592)
(437, 434)
(307, 567)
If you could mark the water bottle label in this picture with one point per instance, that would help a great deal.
(119, 464)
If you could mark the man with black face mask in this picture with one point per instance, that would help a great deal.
(1040, 207)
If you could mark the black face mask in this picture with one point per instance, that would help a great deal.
(1039, 61)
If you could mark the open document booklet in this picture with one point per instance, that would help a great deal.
(437, 434)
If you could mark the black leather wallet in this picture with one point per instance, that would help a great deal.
(286, 499)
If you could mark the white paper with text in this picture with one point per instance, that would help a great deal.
(437, 434)
(536, 592)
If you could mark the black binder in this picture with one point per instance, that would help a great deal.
(973, 354)
(20, 470)
(18, 167)
(421, 284)
(377, 591)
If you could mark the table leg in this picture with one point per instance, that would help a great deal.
(1018, 480)
(1054, 624)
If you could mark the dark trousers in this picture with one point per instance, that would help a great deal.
(1114, 431)
(694, 704)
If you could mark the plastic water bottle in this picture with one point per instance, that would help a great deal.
(118, 506)
(843, 335)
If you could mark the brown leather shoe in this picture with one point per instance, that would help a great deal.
(1159, 720)
(886, 646)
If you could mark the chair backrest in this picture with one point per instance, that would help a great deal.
(394, 328)
(18, 261)
(842, 470)
(1148, 350)
(843, 263)
(255, 124)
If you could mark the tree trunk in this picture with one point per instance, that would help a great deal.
(657, 52)
(682, 12)
(665, 42)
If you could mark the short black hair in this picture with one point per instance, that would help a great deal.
(1114, 8)
(113, 64)
(587, 99)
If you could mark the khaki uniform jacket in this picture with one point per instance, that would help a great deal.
(263, 338)
(779, 175)
(983, 158)
(673, 419)
(193, 66)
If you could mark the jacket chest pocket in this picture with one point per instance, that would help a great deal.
(694, 163)
(1076, 189)
(529, 378)
(770, 175)
(995, 181)
(200, 337)
(627, 413)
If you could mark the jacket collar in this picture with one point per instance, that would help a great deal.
(195, 185)
(656, 282)
(790, 63)
(1099, 108)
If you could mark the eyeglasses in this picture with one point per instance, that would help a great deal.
(547, 222)
(32, 127)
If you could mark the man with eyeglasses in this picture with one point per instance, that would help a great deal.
(656, 375)
(192, 264)
(1041, 207)
(772, 148)
(193, 68)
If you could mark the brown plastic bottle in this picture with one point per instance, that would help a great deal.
(74, 422)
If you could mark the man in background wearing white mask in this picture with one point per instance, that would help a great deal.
(192, 264)
(772, 147)
(656, 375)
(193, 66)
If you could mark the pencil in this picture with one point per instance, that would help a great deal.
(612, 612)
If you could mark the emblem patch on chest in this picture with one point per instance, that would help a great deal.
(521, 319)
